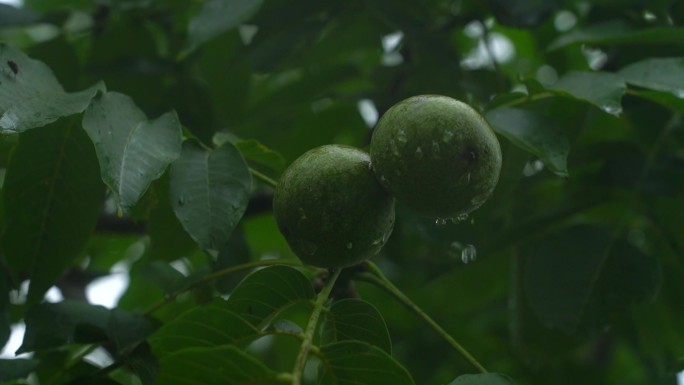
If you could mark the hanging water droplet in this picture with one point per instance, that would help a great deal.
(419, 153)
(181, 201)
(468, 254)
(459, 218)
(613, 110)
(435, 148)
(446, 136)
(349, 246)
(468, 178)
(441, 221)
(401, 136)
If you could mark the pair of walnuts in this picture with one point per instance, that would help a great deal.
(435, 154)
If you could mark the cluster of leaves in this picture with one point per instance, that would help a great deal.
(580, 266)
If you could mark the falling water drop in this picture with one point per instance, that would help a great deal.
(468, 254)
(419, 153)
(349, 246)
(435, 148)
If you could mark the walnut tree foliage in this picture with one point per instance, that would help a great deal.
(141, 137)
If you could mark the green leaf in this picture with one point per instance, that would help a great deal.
(211, 325)
(143, 363)
(618, 32)
(256, 152)
(132, 151)
(533, 133)
(482, 379)
(354, 319)
(661, 74)
(163, 275)
(52, 199)
(16, 368)
(354, 362)
(209, 192)
(580, 277)
(31, 96)
(266, 292)
(602, 89)
(523, 13)
(217, 17)
(50, 325)
(220, 365)
(666, 99)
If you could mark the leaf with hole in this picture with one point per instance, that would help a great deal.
(31, 96)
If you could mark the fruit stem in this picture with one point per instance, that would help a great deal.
(216, 275)
(377, 277)
(321, 299)
(262, 177)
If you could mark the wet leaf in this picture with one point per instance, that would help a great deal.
(580, 277)
(31, 96)
(209, 192)
(482, 379)
(132, 151)
(52, 198)
(602, 89)
(660, 74)
(220, 365)
(356, 320)
(533, 133)
(353, 362)
(217, 17)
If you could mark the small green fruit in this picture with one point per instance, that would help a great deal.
(437, 155)
(331, 209)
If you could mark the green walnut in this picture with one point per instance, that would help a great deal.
(436, 155)
(331, 209)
